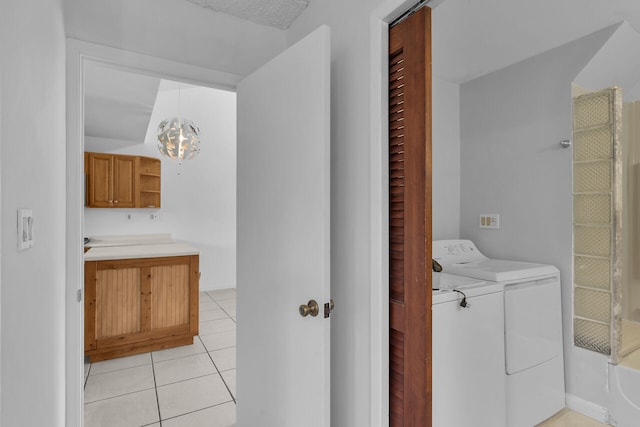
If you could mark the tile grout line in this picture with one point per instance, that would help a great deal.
(221, 377)
(86, 378)
(223, 309)
(116, 370)
(216, 366)
(118, 395)
(198, 410)
(155, 387)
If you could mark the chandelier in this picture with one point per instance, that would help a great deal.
(178, 138)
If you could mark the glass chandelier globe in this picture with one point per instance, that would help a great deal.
(178, 138)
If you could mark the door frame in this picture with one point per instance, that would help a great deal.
(78, 53)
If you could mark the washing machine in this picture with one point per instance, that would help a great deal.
(533, 356)
(468, 352)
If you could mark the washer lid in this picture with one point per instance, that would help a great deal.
(496, 270)
(444, 281)
(443, 285)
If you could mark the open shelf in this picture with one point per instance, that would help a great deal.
(149, 184)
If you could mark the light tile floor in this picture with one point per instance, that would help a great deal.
(569, 418)
(192, 385)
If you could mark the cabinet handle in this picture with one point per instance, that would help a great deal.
(116, 201)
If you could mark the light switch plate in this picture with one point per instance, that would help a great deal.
(25, 229)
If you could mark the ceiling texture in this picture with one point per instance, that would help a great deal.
(273, 13)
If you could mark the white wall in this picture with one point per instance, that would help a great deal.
(174, 29)
(617, 63)
(32, 169)
(511, 163)
(446, 160)
(198, 195)
(352, 148)
(350, 189)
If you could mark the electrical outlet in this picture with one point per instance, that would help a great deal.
(489, 221)
(154, 216)
(129, 216)
(25, 229)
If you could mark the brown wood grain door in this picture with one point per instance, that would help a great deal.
(124, 178)
(410, 221)
(100, 180)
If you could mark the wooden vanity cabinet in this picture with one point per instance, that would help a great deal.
(121, 181)
(134, 306)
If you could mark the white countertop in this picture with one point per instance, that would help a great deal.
(130, 247)
(128, 240)
(140, 251)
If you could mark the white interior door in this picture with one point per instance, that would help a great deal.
(283, 238)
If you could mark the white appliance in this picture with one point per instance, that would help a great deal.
(534, 365)
(468, 353)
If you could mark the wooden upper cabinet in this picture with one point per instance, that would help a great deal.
(100, 180)
(119, 181)
(124, 179)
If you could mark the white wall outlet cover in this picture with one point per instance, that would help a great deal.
(25, 229)
(489, 221)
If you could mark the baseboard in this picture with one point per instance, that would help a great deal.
(590, 409)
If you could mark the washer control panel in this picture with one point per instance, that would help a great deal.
(455, 251)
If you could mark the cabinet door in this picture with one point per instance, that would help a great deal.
(124, 177)
(100, 180)
(171, 292)
(113, 305)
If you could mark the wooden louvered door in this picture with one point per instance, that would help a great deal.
(410, 221)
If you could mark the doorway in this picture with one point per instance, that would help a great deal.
(264, 160)
(192, 382)
(80, 56)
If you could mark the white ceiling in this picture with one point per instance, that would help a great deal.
(273, 13)
(118, 104)
(123, 108)
(475, 37)
(470, 38)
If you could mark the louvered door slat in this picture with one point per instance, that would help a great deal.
(410, 222)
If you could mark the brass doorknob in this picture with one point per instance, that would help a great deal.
(310, 308)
